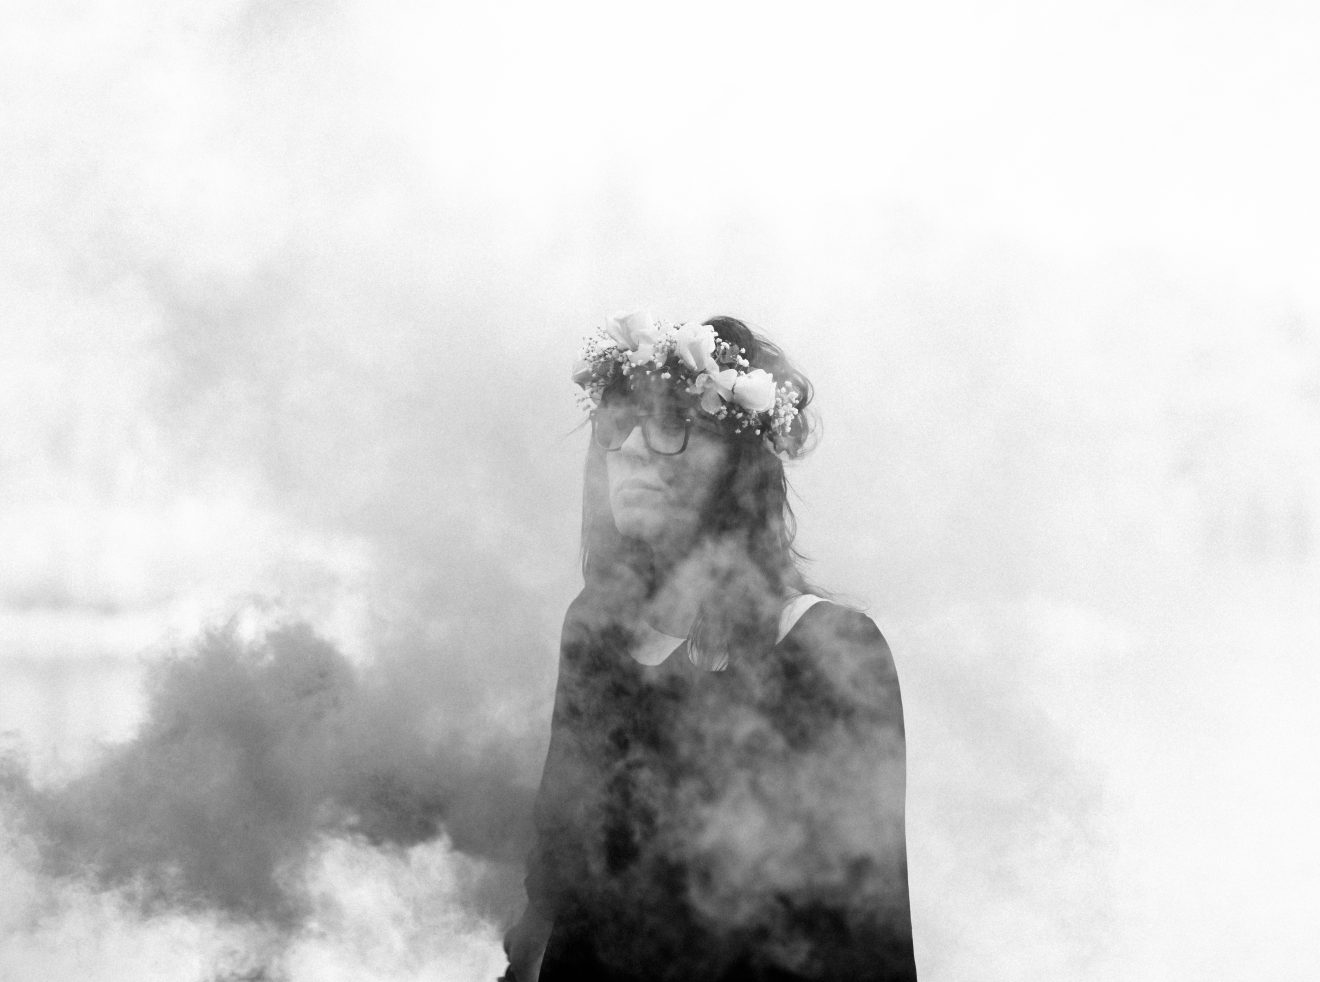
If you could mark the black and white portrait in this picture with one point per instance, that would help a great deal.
(706, 492)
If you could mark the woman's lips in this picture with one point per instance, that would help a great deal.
(635, 486)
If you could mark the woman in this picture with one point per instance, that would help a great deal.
(723, 794)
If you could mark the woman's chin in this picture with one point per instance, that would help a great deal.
(665, 533)
(635, 523)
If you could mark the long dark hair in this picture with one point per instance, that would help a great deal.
(745, 544)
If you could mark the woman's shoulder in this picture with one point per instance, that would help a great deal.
(591, 624)
(579, 606)
(846, 645)
(831, 624)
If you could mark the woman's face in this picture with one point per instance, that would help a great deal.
(660, 498)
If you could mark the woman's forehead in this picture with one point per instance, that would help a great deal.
(650, 393)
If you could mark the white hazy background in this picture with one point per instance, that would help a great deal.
(288, 296)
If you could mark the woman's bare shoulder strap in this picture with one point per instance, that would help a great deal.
(793, 611)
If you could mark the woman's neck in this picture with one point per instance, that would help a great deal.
(682, 589)
(673, 608)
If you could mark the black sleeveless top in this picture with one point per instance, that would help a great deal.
(745, 824)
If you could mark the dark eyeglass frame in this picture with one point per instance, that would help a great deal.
(644, 419)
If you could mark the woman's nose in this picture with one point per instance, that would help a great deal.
(634, 444)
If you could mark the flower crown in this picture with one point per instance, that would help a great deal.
(694, 359)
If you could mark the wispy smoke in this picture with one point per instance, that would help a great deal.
(254, 753)
(290, 288)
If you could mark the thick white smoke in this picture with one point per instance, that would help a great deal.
(289, 292)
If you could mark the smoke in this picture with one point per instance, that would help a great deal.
(256, 755)
(1019, 827)
(374, 915)
(290, 291)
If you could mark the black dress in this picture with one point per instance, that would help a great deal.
(725, 826)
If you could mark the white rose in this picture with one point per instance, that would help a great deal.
(644, 352)
(725, 381)
(632, 330)
(581, 372)
(695, 344)
(706, 389)
(755, 391)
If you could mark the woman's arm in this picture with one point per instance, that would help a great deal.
(848, 714)
(525, 946)
(552, 818)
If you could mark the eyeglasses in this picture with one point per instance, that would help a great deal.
(663, 433)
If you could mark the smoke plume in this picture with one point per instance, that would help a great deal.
(254, 752)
